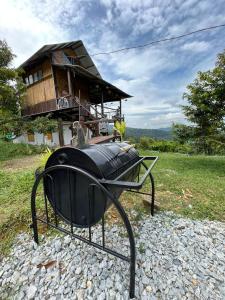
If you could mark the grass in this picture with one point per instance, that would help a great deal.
(193, 186)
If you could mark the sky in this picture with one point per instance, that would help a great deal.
(155, 76)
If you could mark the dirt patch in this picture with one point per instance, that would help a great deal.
(27, 162)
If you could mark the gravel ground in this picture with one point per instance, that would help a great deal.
(177, 258)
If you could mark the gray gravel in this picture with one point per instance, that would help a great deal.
(177, 258)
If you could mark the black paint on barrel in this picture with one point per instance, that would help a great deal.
(72, 195)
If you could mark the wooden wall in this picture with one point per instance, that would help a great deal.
(70, 52)
(82, 85)
(61, 81)
(42, 90)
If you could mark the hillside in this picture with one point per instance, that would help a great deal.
(160, 134)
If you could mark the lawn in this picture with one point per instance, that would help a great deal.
(193, 186)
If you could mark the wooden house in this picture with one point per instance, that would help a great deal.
(63, 80)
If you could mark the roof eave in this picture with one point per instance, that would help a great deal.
(125, 95)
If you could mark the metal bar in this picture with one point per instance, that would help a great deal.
(71, 207)
(33, 212)
(152, 190)
(54, 202)
(153, 194)
(121, 256)
(103, 231)
(129, 169)
(132, 185)
(91, 197)
(46, 203)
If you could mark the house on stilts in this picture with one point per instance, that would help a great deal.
(63, 81)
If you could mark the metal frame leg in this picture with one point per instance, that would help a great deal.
(152, 190)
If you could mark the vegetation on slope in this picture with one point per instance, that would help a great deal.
(158, 134)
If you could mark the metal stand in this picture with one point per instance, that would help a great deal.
(102, 185)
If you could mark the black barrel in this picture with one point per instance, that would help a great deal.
(73, 195)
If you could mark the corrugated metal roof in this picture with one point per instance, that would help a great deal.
(77, 46)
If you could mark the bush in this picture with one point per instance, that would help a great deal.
(164, 146)
(144, 143)
(10, 150)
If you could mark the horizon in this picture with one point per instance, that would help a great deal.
(155, 76)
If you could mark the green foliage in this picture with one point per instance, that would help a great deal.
(183, 133)
(11, 84)
(158, 134)
(45, 156)
(121, 128)
(9, 150)
(146, 143)
(41, 125)
(205, 109)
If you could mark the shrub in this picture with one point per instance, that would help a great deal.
(10, 150)
(144, 142)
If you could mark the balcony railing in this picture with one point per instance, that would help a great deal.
(87, 109)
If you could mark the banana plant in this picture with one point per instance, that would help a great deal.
(121, 128)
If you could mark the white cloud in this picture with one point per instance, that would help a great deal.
(196, 46)
(24, 31)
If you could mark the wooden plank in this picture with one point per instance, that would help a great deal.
(98, 121)
(101, 139)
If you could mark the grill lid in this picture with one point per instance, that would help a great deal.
(103, 161)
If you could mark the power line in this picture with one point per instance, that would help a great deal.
(158, 41)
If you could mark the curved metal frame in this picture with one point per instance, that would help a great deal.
(102, 185)
(117, 204)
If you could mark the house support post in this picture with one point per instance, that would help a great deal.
(102, 106)
(60, 129)
(120, 110)
(96, 111)
(69, 83)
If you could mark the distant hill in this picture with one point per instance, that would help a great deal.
(159, 134)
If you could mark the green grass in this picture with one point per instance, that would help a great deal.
(193, 186)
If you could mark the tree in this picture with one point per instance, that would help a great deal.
(12, 88)
(12, 92)
(206, 107)
(183, 133)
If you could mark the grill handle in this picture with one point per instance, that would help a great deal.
(128, 184)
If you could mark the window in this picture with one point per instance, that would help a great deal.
(30, 137)
(31, 79)
(35, 77)
(49, 136)
(40, 74)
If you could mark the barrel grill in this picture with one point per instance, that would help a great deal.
(81, 184)
(102, 161)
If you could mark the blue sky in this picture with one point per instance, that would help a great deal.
(155, 76)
